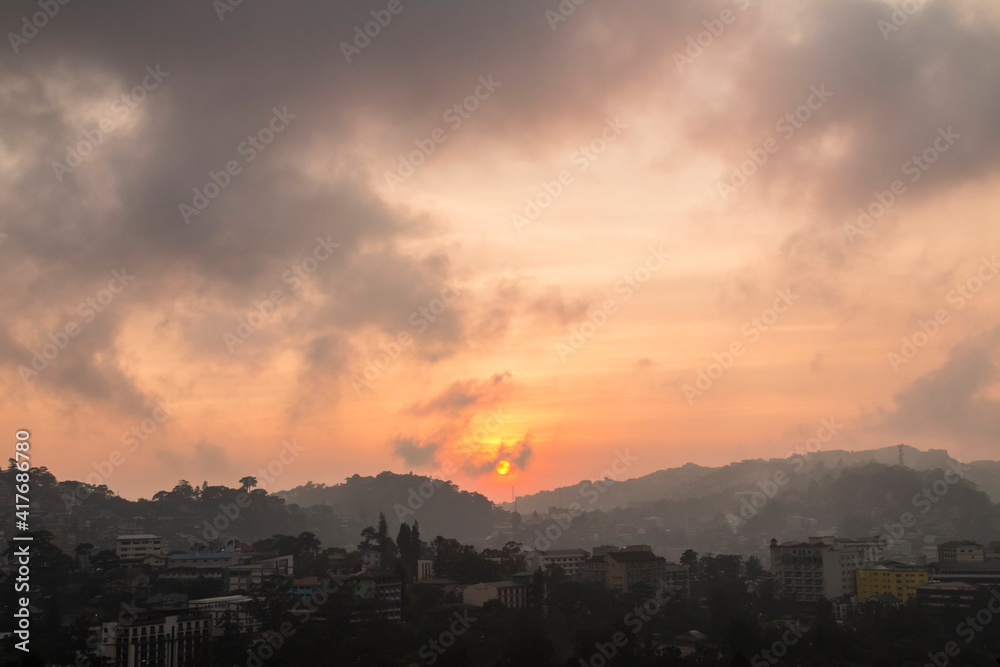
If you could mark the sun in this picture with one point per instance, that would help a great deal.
(503, 467)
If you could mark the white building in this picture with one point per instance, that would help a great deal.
(137, 547)
(569, 560)
(155, 639)
(232, 609)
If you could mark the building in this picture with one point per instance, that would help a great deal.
(173, 640)
(820, 568)
(306, 587)
(569, 560)
(200, 560)
(798, 568)
(676, 577)
(964, 551)
(425, 569)
(889, 577)
(947, 594)
(137, 547)
(247, 575)
(628, 568)
(987, 572)
(229, 609)
(873, 549)
(595, 569)
(512, 595)
(845, 608)
(382, 589)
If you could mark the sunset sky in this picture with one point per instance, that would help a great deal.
(494, 231)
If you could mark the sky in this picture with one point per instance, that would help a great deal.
(327, 239)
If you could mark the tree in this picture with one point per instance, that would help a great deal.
(754, 568)
(183, 490)
(689, 559)
(83, 552)
(403, 542)
(248, 483)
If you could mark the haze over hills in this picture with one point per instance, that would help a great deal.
(692, 480)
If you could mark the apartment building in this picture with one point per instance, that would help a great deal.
(512, 595)
(821, 567)
(569, 560)
(961, 551)
(628, 568)
(137, 547)
(889, 577)
(172, 640)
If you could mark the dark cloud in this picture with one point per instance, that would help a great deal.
(120, 206)
(414, 452)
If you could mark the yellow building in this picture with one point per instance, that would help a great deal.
(889, 577)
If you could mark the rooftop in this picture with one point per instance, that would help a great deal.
(634, 556)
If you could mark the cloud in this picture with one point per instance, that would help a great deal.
(953, 401)
(460, 398)
(645, 364)
(518, 454)
(451, 414)
(416, 453)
